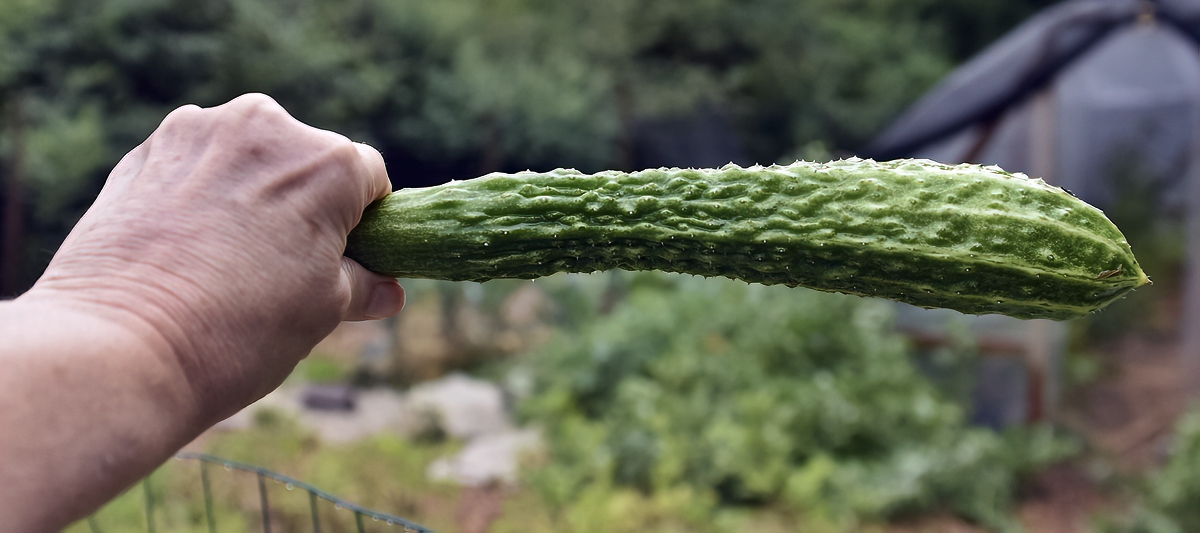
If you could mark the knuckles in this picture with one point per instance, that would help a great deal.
(246, 115)
(255, 110)
(262, 148)
(254, 102)
(345, 153)
(258, 121)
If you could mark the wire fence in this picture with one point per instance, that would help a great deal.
(315, 496)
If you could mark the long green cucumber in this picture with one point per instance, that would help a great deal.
(966, 237)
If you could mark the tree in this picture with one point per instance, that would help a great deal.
(455, 88)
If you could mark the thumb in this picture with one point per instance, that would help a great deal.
(372, 296)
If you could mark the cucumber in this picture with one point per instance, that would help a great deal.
(966, 237)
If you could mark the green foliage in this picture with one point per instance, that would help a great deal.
(1169, 496)
(63, 151)
(747, 395)
(382, 472)
(969, 25)
(454, 88)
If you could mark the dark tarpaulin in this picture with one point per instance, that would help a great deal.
(1005, 73)
(1078, 94)
(1087, 89)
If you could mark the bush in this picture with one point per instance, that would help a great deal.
(750, 396)
(1169, 496)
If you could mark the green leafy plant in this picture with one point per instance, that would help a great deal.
(749, 396)
(1169, 496)
(383, 472)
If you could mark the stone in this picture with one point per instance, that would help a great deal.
(487, 459)
(464, 407)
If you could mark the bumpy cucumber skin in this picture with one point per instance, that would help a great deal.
(971, 238)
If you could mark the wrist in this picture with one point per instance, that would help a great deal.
(149, 359)
(89, 405)
(225, 354)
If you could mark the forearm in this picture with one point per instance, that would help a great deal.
(210, 263)
(90, 401)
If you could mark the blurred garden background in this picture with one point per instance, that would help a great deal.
(643, 401)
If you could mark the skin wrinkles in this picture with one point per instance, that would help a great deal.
(209, 265)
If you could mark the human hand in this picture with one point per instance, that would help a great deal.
(223, 234)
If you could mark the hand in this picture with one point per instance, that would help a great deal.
(223, 234)
(210, 263)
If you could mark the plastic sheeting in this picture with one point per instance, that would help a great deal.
(1004, 74)
(1129, 104)
(1082, 93)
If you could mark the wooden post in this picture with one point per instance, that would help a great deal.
(1044, 345)
(1190, 321)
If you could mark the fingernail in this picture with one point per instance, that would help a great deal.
(387, 299)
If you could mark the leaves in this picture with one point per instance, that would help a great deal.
(455, 88)
(764, 394)
(1169, 496)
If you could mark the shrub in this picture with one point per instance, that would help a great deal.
(751, 395)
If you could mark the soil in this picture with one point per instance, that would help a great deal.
(1125, 419)
(1061, 499)
(1128, 416)
(478, 507)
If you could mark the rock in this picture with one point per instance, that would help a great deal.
(463, 406)
(460, 406)
(378, 410)
(487, 459)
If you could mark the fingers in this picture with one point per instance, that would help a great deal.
(320, 173)
(372, 167)
(372, 296)
(361, 179)
(342, 177)
(378, 184)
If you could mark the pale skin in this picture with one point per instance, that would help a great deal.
(209, 265)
